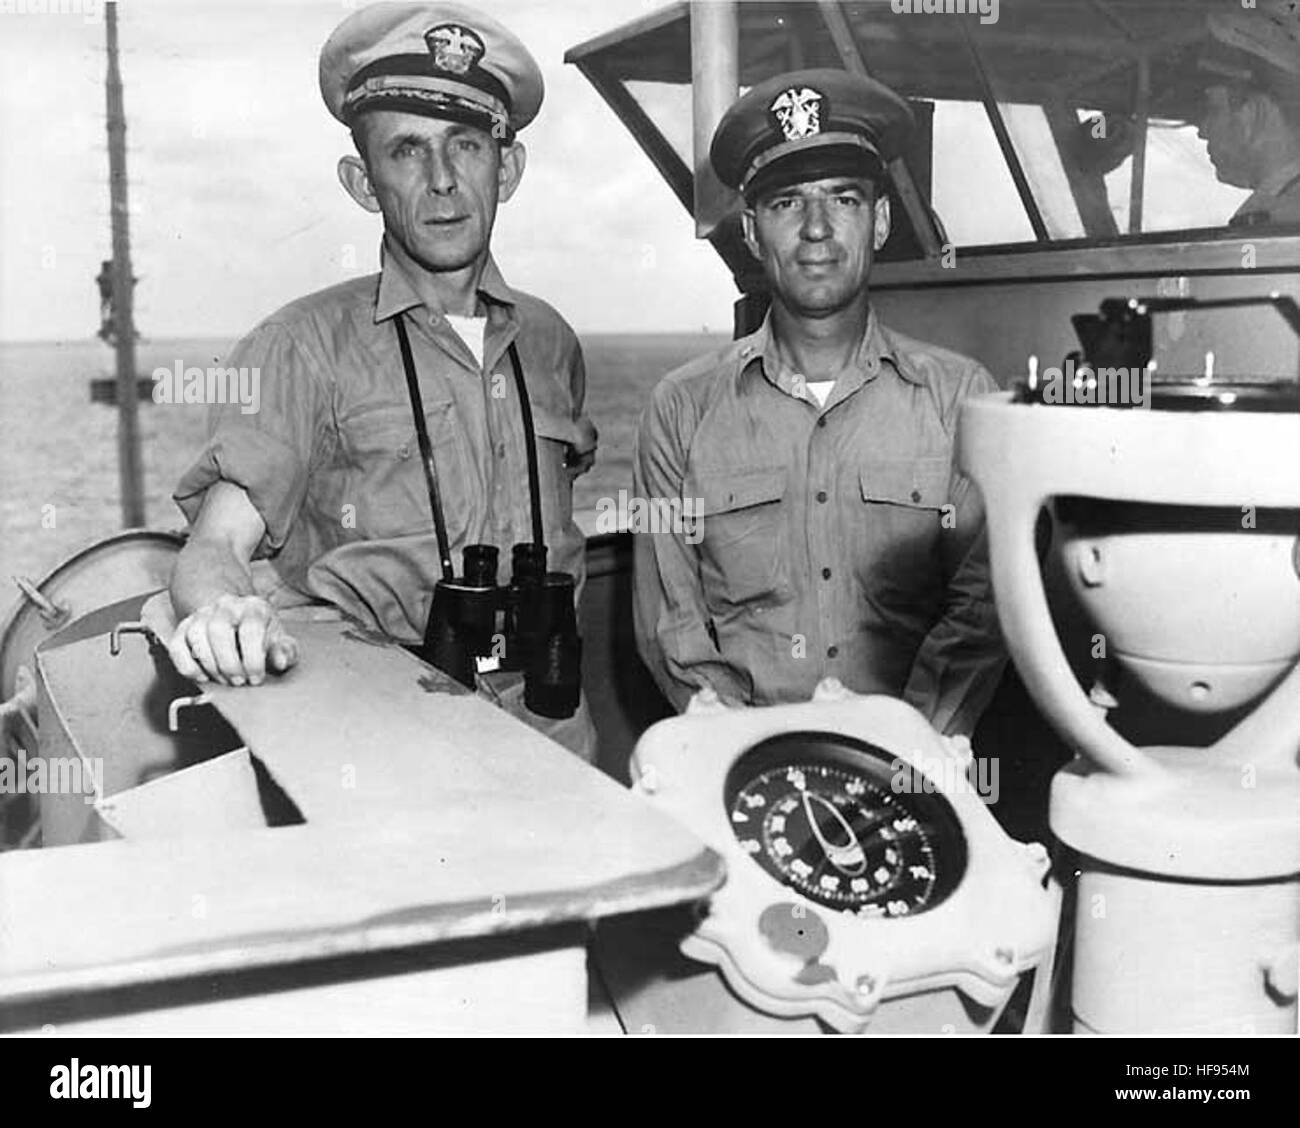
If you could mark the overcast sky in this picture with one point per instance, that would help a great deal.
(236, 206)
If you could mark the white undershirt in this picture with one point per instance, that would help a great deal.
(470, 330)
(821, 389)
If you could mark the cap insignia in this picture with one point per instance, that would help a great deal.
(798, 112)
(454, 48)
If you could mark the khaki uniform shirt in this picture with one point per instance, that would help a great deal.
(839, 541)
(331, 459)
(1275, 201)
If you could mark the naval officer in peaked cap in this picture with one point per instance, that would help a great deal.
(443, 60)
(327, 480)
(804, 125)
(840, 539)
(1251, 117)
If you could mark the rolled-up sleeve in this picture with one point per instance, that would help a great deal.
(584, 442)
(671, 618)
(264, 446)
(960, 661)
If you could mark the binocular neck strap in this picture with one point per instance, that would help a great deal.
(426, 448)
(530, 446)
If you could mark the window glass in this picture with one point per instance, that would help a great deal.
(1113, 141)
(972, 192)
(1107, 108)
(668, 105)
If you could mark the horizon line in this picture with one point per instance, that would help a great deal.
(234, 338)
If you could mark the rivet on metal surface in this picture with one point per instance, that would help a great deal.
(115, 635)
(1036, 852)
(51, 613)
(1102, 697)
(1092, 566)
(180, 703)
(831, 689)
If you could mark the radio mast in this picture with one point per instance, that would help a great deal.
(119, 329)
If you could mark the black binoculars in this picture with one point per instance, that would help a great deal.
(529, 625)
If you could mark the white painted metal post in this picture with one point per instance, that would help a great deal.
(715, 82)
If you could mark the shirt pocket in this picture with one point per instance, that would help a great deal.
(556, 433)
(906, 502)
(742, 559)
(383, 473)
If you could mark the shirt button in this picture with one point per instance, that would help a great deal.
(404, 451)
(826, 573)
(821, 421)
(916, 495)
(501, 450)
(822, 496)
(832, 651)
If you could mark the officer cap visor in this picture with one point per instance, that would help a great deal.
(815, 164)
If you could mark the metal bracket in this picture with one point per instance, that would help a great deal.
(179, 703)
(52, 615)
(115, 635)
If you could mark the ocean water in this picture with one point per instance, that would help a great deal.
(59, 450)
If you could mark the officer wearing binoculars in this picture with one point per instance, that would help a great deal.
(419, 429)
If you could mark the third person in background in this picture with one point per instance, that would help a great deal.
(1251, 119)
